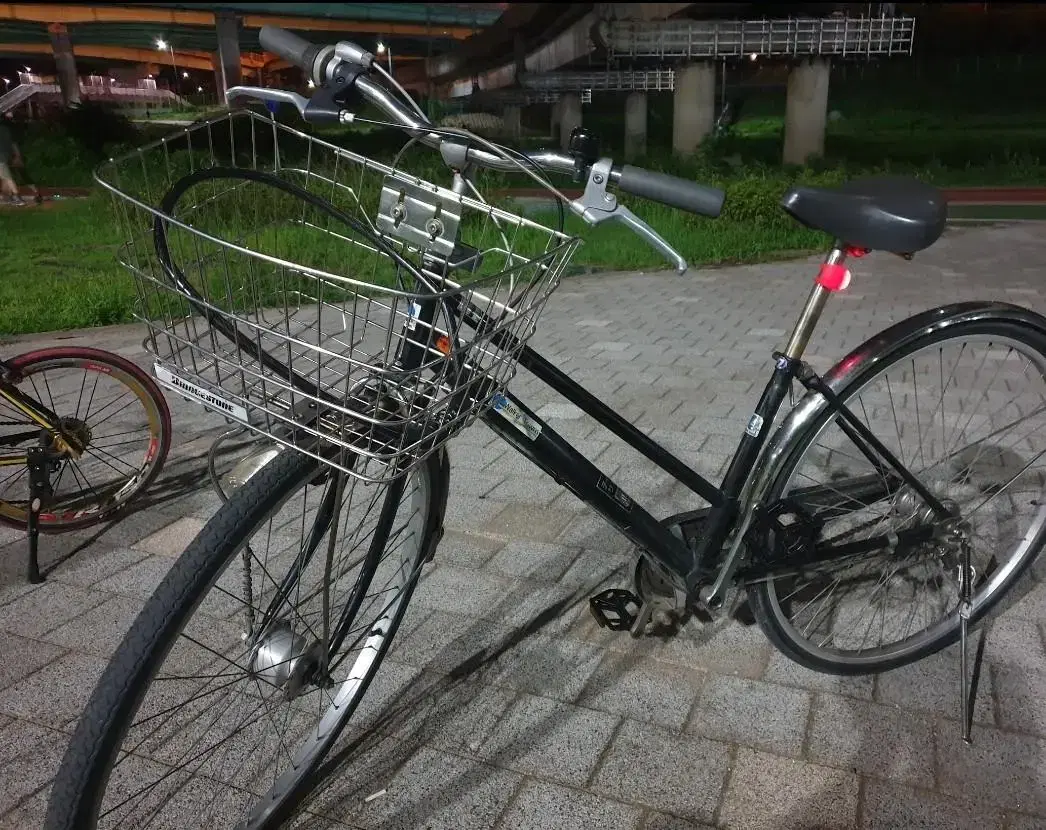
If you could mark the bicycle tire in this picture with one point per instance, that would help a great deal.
(144, 388)
(767, 611)
(85, 769)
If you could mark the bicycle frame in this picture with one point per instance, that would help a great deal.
(36, 412)
(732, 505)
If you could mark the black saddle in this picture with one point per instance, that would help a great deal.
(892, 214)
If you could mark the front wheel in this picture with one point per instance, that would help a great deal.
(964, 409)
(250, 658)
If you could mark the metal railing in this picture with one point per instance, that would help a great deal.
(653, 80)
(831, 36)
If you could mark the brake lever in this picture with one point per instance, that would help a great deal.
(596, 205)
(261, 93)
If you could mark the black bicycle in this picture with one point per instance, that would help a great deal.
(891, 508)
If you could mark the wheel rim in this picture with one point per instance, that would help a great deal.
(814, 615)
(108, 407)
(236, 748)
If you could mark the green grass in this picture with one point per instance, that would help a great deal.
(58, 269)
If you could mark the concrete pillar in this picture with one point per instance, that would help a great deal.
(65, 63)
(635, 125)
(219, 78)
(569, 116)
(554, 112)
(806, 110)
(227, 28)
(693, 106)
(513, 121)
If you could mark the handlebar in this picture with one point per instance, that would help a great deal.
(336, 69)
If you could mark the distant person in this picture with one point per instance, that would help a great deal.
(10, 156)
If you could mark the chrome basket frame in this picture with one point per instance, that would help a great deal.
(353, 341)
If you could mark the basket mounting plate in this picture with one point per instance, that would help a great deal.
(425, 217)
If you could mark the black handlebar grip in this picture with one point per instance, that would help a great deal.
(672, 191)
(291, 48)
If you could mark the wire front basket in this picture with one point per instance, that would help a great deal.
(339, 306)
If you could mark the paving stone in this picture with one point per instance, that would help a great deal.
(1016, 643)
(99, 630)
(663, 821)
(1019, 699)
(83, 571)
(469, 515)
(555, 740)
(787, 672)
(20, 657)
(752, 713)
(999, 768)
(538, 803)
(56, 693)
(29, 813)
(534, 489)
(721, 648)
(591, 531)
(438, 790)
(648, 766)
(534, 560)
(888, 807)
(1018, 822)
(643, 690)
(46, 608)
(877, 740)
(770, 793)
(173, 539)
(29, 758)
(538, 607)
(592, 569)
(461, 590)
(467, 550)
(550, 666)
(139, 580)
(1031, 605)
(932, 685)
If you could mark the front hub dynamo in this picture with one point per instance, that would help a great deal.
(285, 659)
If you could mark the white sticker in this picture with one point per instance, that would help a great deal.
(514, 415)
(178, 384)
(755, 425)
(413, 313)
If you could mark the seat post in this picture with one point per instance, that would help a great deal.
(832, 277)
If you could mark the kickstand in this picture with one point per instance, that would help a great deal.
(39, 496)
(967, 687)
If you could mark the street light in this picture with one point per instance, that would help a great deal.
(381, 50)
(163, 45)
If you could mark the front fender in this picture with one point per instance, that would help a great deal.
(861, 360)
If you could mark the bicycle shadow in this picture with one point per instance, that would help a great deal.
(415, 718)
(421, 709)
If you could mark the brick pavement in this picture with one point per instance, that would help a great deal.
(504, 706)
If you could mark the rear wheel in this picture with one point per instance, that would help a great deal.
(251, 657)
(115, 409)
(964, 409)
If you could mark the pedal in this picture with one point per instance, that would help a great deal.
(611, 609)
